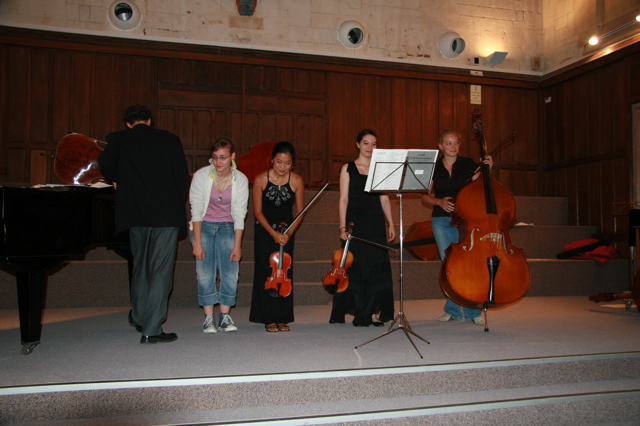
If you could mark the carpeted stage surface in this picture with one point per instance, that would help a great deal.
(97, 344)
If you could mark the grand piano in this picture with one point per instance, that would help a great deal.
(42, 228)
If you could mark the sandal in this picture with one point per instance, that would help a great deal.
(283, 327)
(271, 328)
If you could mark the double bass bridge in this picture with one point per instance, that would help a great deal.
(493, 237)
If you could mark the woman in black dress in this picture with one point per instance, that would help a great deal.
(275, 193)
(369, 297)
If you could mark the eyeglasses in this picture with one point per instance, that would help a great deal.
(221, 158)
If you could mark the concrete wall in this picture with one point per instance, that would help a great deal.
(405, 31)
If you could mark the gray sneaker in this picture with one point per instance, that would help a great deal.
(226, 323)
(209, 325)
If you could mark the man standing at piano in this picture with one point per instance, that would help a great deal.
(149, 170)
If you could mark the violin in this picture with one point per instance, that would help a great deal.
(279, 284)
(337, 280)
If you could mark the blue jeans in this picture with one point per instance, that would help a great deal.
(217, 242)
(444, 233)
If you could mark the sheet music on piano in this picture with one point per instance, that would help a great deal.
(386, 171)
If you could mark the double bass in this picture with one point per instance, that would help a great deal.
(484, 269)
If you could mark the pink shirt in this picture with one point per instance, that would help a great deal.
(219, 209)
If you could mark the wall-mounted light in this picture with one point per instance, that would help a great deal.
(596, 39)
(124, 15)
(351, 34)
(451, 45)
(495, 58)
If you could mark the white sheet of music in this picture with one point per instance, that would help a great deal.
(385, 170)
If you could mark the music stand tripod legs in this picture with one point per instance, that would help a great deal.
(400, 322)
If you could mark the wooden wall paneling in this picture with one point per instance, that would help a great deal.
(251, 131)
(399, 99)
(616, 100)
(335, 124)
(39, 166)
(184, 71)
(270, 78)
(268, 126)
(165, 69)
(577, 110)
(61, 89)
(284, 127)
(286, 77)
(83, 90)
(597, 188)
(367, 103)
(571, 192)
(17, 94)
(203, 128)
(583, 181)
(631, 76)
(462, 118)
(414, 134)
(17, 165)
(112, 75)
(187, 128)
(384, 116)
(40, 97)
(429, 131)
(237, 132)
(4, 59)
(144, 84)
(302, 134)
(445, 110)
(223, 127)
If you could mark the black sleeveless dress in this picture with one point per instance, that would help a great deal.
(277, 207)
(370, 288)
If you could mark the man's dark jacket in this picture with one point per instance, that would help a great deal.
(152, 177)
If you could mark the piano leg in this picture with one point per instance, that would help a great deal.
(31, 293)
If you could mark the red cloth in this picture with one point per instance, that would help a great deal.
(600, 254)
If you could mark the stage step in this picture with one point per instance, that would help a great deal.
(100, 279)
(587, 389)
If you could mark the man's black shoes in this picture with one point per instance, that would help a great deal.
(159, 338)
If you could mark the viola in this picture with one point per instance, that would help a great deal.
(337, 280)
(484, 270)
(279, 283)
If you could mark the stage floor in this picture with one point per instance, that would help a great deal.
(97, 344)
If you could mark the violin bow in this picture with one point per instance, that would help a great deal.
(299, 215)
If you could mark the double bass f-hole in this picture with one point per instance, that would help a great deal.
(279, 284)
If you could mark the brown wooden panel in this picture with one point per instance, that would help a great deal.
(237, 130)
(284, 104)
(399, 111)
(185, 130)
(383, 104)
(251, 131)
(40, 97)
(39, 166)
(17, 165)
(268, 127)
(82, 92)
(17, 95)
(167, 120)
(61, 77)
(198, 99)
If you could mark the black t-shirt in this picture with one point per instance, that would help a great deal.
(446, 185)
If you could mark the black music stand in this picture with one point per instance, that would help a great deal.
(394, 177)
